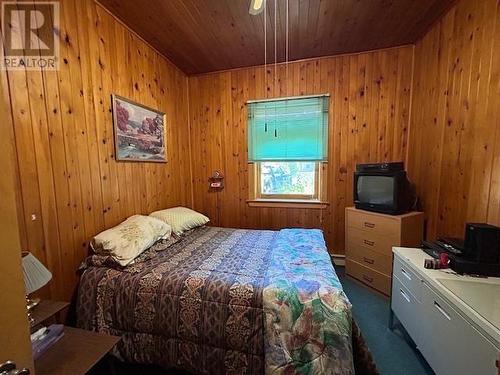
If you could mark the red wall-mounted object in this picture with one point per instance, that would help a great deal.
(216, 182)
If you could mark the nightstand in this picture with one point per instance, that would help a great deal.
(77, 351)
(47, 310)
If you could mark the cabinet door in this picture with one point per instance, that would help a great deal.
(407, 309)
(407, 277)
(450, 344)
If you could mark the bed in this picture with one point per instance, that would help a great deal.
(234, 301)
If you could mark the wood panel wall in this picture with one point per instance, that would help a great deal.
(454, 147)
(369, 119)
(70, 186)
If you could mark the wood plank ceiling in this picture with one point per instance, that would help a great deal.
(201, 36)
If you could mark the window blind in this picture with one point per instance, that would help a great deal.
(291, 129)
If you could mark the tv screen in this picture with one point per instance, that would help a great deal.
(377, 190)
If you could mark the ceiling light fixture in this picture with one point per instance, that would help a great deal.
(256, 7)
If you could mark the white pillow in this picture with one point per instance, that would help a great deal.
(181, 219)
(130, 238)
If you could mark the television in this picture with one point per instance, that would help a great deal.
(383, 188)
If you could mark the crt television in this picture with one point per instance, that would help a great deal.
(383, 188)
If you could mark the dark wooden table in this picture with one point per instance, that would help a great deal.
(75, 353)
(48, 309)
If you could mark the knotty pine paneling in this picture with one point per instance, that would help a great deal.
(369, 119)
(236, 39)
(454, 143)
(70, 186)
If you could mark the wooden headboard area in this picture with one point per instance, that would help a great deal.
(435, 105)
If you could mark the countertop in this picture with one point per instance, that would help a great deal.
(477, 299)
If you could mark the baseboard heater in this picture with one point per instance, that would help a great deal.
(338, 259)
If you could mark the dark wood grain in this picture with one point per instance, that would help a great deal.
(47, 309)
(75, 353)
(200, 36)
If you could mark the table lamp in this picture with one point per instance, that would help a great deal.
(36, 275)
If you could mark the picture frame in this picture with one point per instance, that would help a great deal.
(139, 131)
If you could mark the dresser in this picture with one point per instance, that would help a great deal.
(370, 237)
(454, 320)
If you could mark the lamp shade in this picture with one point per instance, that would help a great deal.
(35, 273)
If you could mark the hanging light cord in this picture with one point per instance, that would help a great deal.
(265, 62)
(286, 64)
(287, 47)
(275, 61)
(275, 42)
(265, 44)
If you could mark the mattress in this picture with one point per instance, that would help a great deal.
(221, 300)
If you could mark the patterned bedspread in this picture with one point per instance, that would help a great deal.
(230, 300)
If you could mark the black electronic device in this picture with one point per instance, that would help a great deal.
(482, 243)
(479, 254)
(464, 266)
(381, 167)
(443, 245)
(433, 249)
(383, 187)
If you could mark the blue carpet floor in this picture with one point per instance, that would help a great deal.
(392, 353)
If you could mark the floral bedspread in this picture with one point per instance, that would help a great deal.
(308, 322)
(224, 301)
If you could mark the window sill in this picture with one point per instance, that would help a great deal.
(288, 203)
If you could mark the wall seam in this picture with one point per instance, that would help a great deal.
(410, 110)
(188, 96)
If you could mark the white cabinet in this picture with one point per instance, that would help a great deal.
(450, 344)
(448, 340)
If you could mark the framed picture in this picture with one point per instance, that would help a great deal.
(139, 131)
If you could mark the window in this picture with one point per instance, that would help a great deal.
(292, 179)
(288, 146)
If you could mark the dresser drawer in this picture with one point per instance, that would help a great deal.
(407, 277)
(370, 258)
(369, 276)
(373, 223)
(370, 240)
(407, 309)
